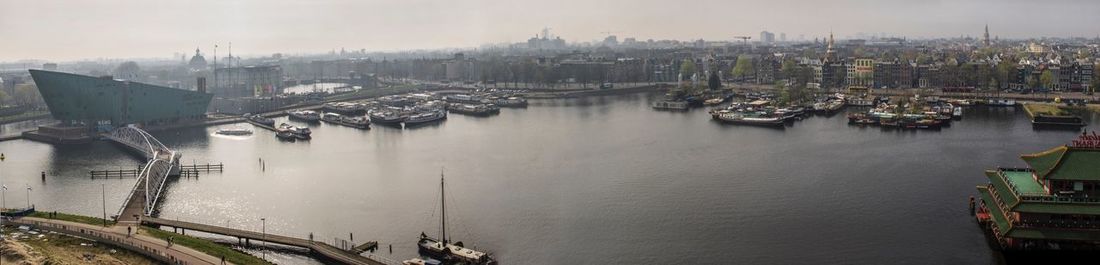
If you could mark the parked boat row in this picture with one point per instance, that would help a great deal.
(934, 116)
(758, 112)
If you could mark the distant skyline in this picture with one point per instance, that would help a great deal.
(57, 30)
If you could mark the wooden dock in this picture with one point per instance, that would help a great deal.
(203, 167)
(320, 248)
(369, 246)
(120, 173)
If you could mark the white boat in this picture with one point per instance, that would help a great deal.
(298, 132)
(304, 115)
(958, 112)
(426, 117)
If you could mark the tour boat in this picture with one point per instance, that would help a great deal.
(331, 117)
(670, 105)
(426, 117)
(358, 122)
(747, 118)
(234, 131)
(304, 115)
(464, 98)
(284, 135)
(260, 120)
(511, 102)
(298, 132)
(442, 248)
(386, 117)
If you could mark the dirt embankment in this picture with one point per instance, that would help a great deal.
(36, 247)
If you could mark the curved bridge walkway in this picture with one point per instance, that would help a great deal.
(161, 163)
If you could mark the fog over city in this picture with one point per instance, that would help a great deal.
(70, 30)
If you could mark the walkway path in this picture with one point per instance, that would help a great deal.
(116, 235)
(326, 250)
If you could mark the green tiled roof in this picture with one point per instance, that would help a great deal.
(1078, 164)
(1002, 188)
(1024, 182)
(1045, 162)
(995, 212)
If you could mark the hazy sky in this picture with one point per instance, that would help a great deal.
(76, 29)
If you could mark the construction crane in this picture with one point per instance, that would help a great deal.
(744, 39)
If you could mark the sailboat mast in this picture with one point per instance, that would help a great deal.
(443, 204)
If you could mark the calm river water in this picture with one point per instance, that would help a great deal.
(599, 180)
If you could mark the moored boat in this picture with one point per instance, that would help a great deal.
(670, 105)
(304, 115)
(386, 116)
(426, 117)
(473, 109)
(442, 248)
(747, 118)
(234, 131)
(300, 133)
(511, 102)
(260, 120)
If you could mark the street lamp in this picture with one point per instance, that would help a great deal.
(29, 196)
(263, 229)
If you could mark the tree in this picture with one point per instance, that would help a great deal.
(26, 95)
(784, 94)
(1005, 73)
(713, 81)
(1047, 79)
(687, 68)
(744, 66)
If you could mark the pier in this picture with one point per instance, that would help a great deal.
(320, 248)
(120, 173)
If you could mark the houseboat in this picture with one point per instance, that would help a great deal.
(309, 116)
(670, 105)
(424, 117)
(473, 109)
(386, 116)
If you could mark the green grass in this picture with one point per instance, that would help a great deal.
(1046, 109)
(72, 218)
(205, 246)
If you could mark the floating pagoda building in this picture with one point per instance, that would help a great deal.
(1054, 204)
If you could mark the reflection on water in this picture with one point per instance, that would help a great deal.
(584, 181)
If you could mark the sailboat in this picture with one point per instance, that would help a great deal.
(442, 249)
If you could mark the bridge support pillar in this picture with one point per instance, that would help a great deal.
(246, 243)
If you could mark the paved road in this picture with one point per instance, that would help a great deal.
(116, 235)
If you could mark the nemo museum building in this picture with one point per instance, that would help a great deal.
(86, 104)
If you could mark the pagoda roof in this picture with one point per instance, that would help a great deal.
(1006, 228)
(1066, 163)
